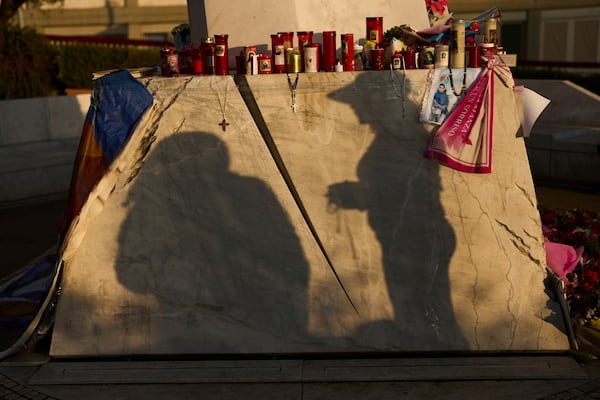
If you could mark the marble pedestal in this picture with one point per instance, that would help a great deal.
(320, 231)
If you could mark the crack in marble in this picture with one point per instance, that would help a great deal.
(510, 289)
(148, 139)
(431, 314)
(532, 236)
(511, 292)
(527, 195)
(461, 217)
(403, 206)
(205, 307)
(518, 242)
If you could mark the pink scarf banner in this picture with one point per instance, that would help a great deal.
(464, 140)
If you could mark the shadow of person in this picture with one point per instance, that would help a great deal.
(400, 190)
(214, 251)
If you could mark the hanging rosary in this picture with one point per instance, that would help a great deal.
(293, 89)
(464, 80)
(464, 83)
(224, 124)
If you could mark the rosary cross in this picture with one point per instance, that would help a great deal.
(224, 124)
(293, 90)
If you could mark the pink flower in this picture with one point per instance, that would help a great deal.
(436, 6)
(551, 234)
(562, 258)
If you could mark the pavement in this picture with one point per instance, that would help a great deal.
(373, 378)
(28, 230)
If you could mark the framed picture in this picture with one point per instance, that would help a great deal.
(444, 92)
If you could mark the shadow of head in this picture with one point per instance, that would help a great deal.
(375, 95)
(207, 152)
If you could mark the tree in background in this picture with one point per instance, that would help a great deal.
(8, 8)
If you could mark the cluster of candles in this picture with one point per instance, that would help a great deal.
(212, 56)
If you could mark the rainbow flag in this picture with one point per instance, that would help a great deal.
(118, 102)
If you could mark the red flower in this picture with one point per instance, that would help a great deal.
(590, 278)
(569, 290)
(574, 238)
(549, 216)
(595, 227)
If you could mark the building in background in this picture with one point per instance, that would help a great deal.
(131, 19)
(552, 30)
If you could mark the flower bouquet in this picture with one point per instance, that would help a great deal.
(573, 254)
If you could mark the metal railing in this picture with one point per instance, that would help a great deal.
(109, 41)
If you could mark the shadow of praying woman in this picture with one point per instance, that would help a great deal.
(400, 191)
(213, 251)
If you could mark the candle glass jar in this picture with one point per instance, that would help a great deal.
(375, 29)
(348, 51)
(221, 55)
(329, 48)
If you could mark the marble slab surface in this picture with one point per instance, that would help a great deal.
(324, 230)
(192, 243)
(452, 261)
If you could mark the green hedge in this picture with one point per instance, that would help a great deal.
(31, 66)
(77, 61)
(28, 65)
